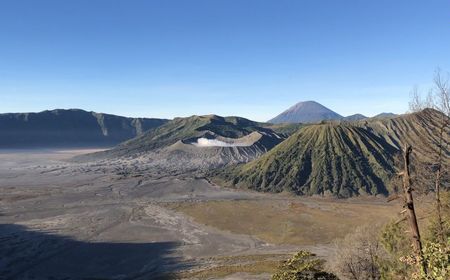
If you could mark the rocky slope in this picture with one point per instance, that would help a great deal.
(339, 159)
(69, 128)
(197, 142)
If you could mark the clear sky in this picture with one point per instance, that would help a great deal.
(252, 58)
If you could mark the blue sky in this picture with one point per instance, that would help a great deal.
(252, 58)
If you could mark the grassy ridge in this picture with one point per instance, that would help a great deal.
(340, 159)
(181, 129)
(70, 128)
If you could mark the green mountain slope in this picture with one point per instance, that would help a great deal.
(286, 129)
(340, 159)
(185, 132)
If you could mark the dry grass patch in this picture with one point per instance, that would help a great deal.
(229, 265)
(290, 221)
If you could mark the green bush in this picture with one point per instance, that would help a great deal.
(397, 246)
(303, 266)
(437, 258)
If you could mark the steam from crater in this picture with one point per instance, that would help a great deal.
(204, 142)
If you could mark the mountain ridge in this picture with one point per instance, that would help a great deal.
(70, 128)
(355, 117)
(337, 159)
(196, 142)
(181, 129)
(314, 112)
(385, 115)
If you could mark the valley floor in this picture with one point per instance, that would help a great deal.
(66, 220)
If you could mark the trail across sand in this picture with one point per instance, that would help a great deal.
(63, 219)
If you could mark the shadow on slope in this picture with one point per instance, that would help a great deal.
(70, 128)
(28, 254)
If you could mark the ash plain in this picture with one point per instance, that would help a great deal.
(118, 219)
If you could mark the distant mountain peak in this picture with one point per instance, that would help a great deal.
(385, 115)
(306, 112)
(355, 117)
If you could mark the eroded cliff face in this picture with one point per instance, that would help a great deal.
(69, 128)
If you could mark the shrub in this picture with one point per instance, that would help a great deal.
(303, 266)
(357, 256)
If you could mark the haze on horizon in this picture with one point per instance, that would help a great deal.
(248, 58)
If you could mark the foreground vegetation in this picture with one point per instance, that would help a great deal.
(379, 252)
(337, 159)
(387, 253)
(407, 249)
(303, 266)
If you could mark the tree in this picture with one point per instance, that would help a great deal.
(436, 171)
(411, 212)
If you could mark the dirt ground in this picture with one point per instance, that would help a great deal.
(66, 220)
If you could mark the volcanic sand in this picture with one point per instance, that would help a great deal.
(93, 220)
